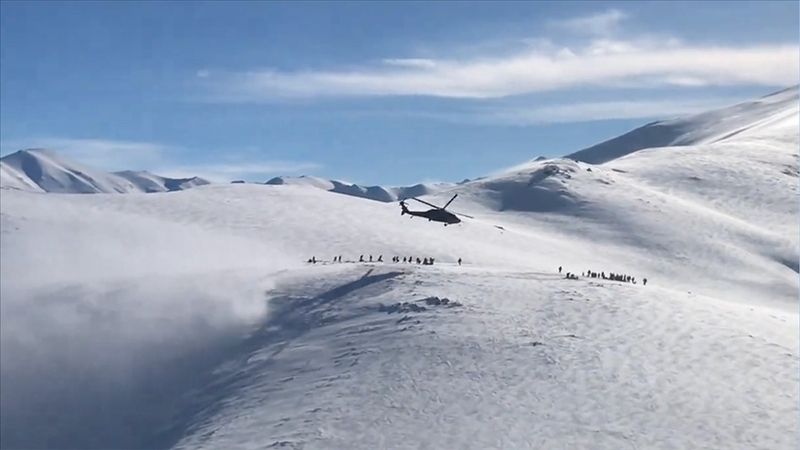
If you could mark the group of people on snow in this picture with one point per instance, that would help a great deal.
(410, 259)
(425, 261)
(610, 276)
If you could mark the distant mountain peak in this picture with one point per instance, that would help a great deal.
(43, 170)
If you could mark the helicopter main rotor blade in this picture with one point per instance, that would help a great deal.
(464, 215)
(423, 201)
(451, 201)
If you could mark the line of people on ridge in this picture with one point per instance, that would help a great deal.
(423, 261)
(427, 261)
(610, 276)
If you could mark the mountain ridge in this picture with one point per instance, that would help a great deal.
(42, 170)
(706, 127)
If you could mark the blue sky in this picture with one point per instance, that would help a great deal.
(389, 93)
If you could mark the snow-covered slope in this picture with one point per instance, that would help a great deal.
(374, 358)
(353, 355)
(735, 197)
(12, 178)
(40, 170)
(708, 127)
(378, 193)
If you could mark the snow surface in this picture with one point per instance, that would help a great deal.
(41, 170)
(190, 319)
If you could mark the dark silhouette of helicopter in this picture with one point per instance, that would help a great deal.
(436, 214)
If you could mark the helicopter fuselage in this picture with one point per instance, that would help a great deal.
(436, 215)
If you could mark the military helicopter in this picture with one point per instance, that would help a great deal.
(436, 214)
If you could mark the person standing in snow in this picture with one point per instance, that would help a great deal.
(459, 261)
(644, 281)
(361, 259)
(559, 269)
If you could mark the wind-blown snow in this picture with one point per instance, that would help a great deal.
(378, 193)
(102, 313)
(148, 182)
(40, 170)
(194, 319)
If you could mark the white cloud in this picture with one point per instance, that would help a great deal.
(573, 112)
(600, 63)
(600, 24)
(410, 62)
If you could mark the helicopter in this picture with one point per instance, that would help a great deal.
(437, 214)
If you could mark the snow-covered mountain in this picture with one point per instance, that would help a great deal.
(214, 333)
(378, 193)
(40, 170)
(704, 128)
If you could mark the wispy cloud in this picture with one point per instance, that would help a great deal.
(600, 54)
(594, 111)
(605, 62)
(571, 112)
(600, 24)
(416, 63)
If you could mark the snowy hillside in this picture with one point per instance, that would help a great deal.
(708, 127)
(196, 320)
(223, 337)
(735, 197)
(378, 193)
(13, 178)
(40, 170)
